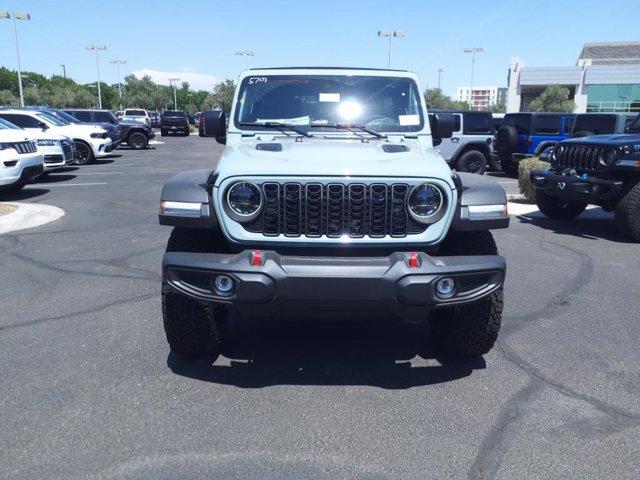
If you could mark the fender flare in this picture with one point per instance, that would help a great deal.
(475, 145)
(542, 145)
(190, 187)
(474, 190)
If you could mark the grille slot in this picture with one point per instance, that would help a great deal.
(67, 150)
(584, 158)
(24, 147)
(334, 210)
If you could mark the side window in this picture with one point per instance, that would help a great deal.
(103, 117)
(23, 121)
(547, 125)
(477, 124)
(83, 116)
(569, 122)
(456, 122)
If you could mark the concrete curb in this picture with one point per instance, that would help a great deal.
(28, 215)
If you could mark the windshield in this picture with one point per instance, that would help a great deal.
(385, 104)
(47, 117)
(139, 113)
(4, 125)
(67, 117)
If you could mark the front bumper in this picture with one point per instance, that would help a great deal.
(316, 286)
(587, 189)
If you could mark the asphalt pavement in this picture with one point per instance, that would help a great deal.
(88, 388)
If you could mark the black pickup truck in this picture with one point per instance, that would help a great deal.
(174, 121)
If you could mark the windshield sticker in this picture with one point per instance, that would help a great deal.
(406, 120)
(253, 80)
(329, 97)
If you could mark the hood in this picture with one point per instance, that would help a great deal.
(13, 135)
(613, 140)
(46, 136)
(332, 157)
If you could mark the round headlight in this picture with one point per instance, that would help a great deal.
(244, 201)
(610, 156)
(425, 202)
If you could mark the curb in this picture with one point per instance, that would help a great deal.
(28, 215)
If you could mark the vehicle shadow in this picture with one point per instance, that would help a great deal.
(24, 194)
(592, 224)
(110, 155)
(104, 160)
(300, 353)
(54, 178)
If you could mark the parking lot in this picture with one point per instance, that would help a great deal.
(88, 387)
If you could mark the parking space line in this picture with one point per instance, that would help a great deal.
(96, 173)
(67, 184)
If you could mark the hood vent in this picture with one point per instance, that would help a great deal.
(394, 148)
(269, 147)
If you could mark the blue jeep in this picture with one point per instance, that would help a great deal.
(523, 135)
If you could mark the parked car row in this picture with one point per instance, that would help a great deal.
(36, 141)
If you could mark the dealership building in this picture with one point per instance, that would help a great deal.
(605, 78)
(482, 97)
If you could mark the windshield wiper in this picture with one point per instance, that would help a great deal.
(283, 127)
(352, 127)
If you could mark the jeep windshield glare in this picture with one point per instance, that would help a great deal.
(329, 102)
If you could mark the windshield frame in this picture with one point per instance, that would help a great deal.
(7, 125)
(320, 130)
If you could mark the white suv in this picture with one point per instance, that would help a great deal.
(138, 115)
(57, 150)
(91, 141)
(20, 161)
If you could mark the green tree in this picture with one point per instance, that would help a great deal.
(222, 96)
(498, 108)
(555, 98)
(434, 98)
(8, 98)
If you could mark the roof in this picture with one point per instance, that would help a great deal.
(330, 68)
(607, 53)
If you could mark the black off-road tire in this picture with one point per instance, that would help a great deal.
(468, 330)
(557, 208)
(472, 161)
(186, 133)
(506, 140)
(163, 132)
(627, 214)
(193, 328)
(138, 141)
(84, 154)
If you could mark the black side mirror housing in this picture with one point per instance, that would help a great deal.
(441, 126)
(215, 125)
(43, 126)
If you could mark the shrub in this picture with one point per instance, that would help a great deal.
(524, 168)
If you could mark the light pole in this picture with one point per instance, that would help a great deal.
(439, 76)
(472, 51)
(245, 53)
(390, 34)
(16, 16)
(64, 70)
(118, 63)
(175, 94)
(97, 48)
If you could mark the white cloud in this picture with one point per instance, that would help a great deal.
(197, 81)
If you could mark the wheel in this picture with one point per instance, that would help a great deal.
(186, 133)
(138, 141)
(506, 140)
(509, 167)
(558, 208)
(471, 329)
(163, 132)
(193, 329)
(472, 161)
(582, 133)
(627, 214)
(84, 153)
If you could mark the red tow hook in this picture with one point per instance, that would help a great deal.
(256, 258)
(414, 260)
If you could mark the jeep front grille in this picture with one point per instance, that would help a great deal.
(584, 158)
(335, 209)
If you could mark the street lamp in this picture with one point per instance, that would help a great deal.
(390, 34)
(16, 16)
(472, 51)
(64, 70)
(245, 53)
(173, 81)
(118, 63)
(97, 48)
(439, 76)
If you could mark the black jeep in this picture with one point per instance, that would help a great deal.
(135, 134)
(603, 170)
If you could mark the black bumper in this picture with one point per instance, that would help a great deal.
(371, 286)
(587, 189)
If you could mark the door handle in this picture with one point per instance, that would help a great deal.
(455, 140)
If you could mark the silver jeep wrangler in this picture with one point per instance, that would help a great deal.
(330, 202)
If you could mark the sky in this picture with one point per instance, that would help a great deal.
(197, 40)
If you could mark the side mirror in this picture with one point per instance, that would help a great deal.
(214, 125)
(441, 126)
(43, 126)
